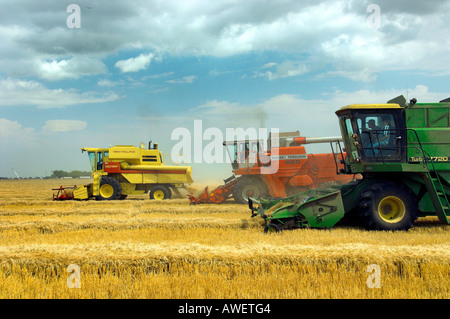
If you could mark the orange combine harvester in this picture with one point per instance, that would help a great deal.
(283, 170)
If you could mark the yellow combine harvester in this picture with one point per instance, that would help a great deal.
(125, 170)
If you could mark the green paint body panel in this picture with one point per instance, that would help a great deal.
(311, 208)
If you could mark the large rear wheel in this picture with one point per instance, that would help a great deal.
(388, 206)
(110, 189)
(249, 187)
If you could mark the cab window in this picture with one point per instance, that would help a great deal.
(99, 161)
(348, 125)
(92, 160)
(378, 135)
(243, 152)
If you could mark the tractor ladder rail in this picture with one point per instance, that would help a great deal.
(437, 192)
(434, 185)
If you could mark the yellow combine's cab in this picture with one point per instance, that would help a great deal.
(125, 170)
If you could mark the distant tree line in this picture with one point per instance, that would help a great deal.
(55, 174)
(73, 174)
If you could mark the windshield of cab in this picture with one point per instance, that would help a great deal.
(92, 160)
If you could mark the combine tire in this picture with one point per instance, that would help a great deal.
(110, 189)
(388, 206)
(249, 187)
(160, 192)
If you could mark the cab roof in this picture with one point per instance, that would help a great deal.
(382, 106)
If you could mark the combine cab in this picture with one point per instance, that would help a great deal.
(403, 153)
(125, 170)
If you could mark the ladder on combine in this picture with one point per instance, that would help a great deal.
(434, 185)
(437, 192)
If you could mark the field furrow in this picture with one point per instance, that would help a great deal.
(137, 248)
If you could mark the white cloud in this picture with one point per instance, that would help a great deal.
(186, 79)
(13, 136)
(135, 64)
(70, 69)
(160, 90)
(365, 75)
(12, 128)
(64, 125)
(20, 92)
(108, 83)
(269, 65)
(157, 76)
(413, 35)
(284, 70)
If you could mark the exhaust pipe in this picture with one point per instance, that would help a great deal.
(312, 140)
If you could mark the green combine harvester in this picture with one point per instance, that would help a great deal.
(402, 151)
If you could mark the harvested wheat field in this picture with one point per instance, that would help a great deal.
(137, 248)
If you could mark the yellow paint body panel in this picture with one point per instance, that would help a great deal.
(135, 155)
(126, 165)
(96, 184)
(130, 189)
(134, 178)
(158, 178)
(81, 192)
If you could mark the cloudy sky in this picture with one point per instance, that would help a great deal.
(127, 72)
